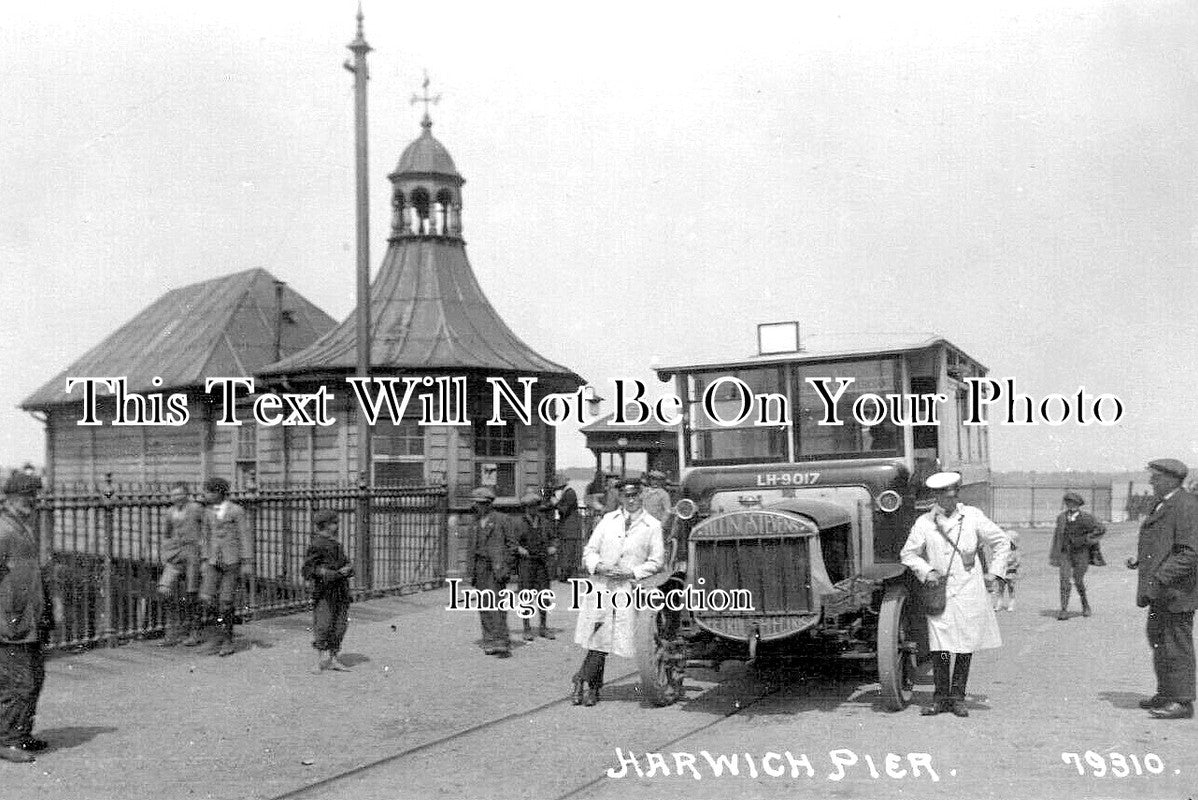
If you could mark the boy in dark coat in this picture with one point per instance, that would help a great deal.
(1076, 532)
(327, 566)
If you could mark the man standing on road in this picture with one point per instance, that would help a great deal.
(569, 529)
(1075, 534)
(536, 546)
(944, 545)
(27, 616)
(492, 553)
(625, 546)
(1167, 560)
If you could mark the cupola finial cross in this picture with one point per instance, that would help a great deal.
(426, 99)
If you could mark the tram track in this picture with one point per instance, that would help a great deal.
(350, 778)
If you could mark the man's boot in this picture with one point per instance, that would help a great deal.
(960, 679)
(1081, 591)
(545, 632)
(335, 662)
(598, 683)
(321, 662)
(941, 671)
(195, 625)
(578, 689)
(528, 634)
(1064, 612)
(174, 625)
(226, 638)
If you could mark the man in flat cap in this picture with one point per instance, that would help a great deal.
(492, 553)
(944, 545)
(625, 547)
(1072, 539)
(536, 545)
(29, 617)
(1167, 560)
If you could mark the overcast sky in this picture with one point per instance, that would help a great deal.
(645, 181)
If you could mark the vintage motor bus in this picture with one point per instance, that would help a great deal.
(809, 518)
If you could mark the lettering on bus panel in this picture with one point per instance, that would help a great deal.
(740, 524)
(787, 478)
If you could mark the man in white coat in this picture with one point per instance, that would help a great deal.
(625, 546)
(945, 545)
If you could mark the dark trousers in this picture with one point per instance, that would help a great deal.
(22, 673)
(1171, 635)
(330, 618)
(182, 614)
(949, 678)
(495, 632)
(1074, 564)
(534, 575)
(591, 671)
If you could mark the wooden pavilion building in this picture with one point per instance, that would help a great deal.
(228, 326)
(429, 318)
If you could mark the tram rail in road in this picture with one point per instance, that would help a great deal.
(349, 783)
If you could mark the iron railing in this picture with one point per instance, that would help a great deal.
(105, 543)
(1038, 505)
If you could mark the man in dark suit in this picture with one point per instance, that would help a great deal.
(1167, 560)
(536, 545)
(30, 613)
(492, 554)
(1075, 534)
(226, 553)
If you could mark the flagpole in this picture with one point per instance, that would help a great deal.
(360, 48)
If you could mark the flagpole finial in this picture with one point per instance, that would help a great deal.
(359, 43)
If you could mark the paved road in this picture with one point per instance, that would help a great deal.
(425, 714)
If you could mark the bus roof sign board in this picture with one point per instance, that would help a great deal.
(777, 337)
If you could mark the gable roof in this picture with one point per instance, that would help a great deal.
(219, 327)
(427, 311)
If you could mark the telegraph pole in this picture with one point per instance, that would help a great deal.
(360, 48)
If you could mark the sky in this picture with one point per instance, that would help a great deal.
(645, 182)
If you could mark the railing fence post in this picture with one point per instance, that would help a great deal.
(108, 608)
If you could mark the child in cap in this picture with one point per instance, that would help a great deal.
(327, 566)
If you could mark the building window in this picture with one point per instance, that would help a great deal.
(247, 443)
(398, 454)
(245, 471)
(499, 475)
(491, 441)
(495, 451)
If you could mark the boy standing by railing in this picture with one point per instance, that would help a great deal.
(227, 552)
(327, 566)
(181, 561)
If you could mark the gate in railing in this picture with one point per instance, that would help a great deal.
(105, 544)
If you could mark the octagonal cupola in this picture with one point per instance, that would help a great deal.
(426, 198)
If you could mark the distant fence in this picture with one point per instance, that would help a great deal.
(1033, 506)
(105, 542)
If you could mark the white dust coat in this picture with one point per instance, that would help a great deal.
(639, 549)
(968, 623)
